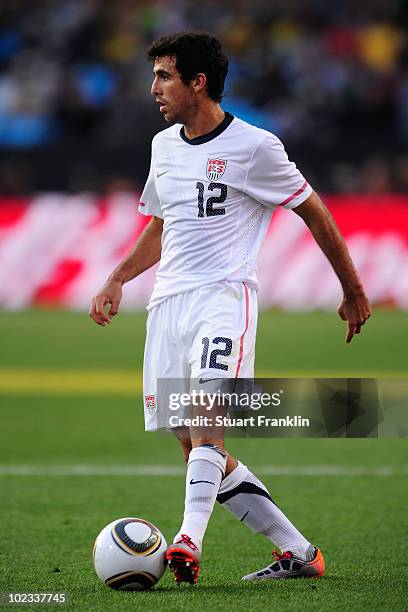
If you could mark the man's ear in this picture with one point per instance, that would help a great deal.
(199, 82)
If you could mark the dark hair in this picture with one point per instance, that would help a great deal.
(195, 52)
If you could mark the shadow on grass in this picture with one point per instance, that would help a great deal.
(299, 586)
(302, 585)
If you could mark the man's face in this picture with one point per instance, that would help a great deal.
(177, 100)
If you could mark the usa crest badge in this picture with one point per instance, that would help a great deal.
(150, 403)
(216, 168)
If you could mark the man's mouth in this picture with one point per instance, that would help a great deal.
(162, 105)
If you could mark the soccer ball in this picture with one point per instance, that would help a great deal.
(129, 554)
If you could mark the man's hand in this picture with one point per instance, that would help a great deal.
(111, 293)
(355, 310)
(144, 254)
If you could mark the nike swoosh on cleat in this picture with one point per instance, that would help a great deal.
(246, 513)
(197, 481)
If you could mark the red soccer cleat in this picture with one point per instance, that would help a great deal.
(183, 558)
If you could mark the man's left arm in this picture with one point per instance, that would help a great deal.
(354, 308)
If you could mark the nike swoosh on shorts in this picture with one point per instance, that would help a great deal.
(159, 174)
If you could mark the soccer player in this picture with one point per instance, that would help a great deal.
(214, 182)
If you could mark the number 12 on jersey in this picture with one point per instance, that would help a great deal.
(209, 210)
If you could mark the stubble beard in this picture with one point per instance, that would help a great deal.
(186, 112)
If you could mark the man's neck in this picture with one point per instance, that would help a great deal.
(204, 121)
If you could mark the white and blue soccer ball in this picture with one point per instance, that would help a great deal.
(129, 554)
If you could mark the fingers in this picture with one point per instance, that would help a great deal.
(350, 332)
(110, 295)
(341, 314)
(97, 310)
(100, 303)
(354, 328)
(114, 309)
(356, 313)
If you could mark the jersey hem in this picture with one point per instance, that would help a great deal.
(157, 301)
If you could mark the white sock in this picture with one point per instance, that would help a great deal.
(205, 469)
(248, 499)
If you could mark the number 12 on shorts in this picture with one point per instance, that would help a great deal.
(217, 352)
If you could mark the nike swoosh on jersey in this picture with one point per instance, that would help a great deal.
(159, 174)
(197, 481)
(206, 380)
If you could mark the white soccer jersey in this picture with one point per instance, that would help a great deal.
(216, 195)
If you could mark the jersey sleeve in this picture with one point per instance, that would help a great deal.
(149, 200)
(272, 179)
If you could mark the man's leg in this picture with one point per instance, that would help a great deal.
(183, 436)
(206, 466)
(205, 446)
(245, 496)
(207, 462)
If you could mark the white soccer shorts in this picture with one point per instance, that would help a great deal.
(206, 333)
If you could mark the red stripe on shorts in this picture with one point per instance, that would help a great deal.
(294, 195)
(241, 340)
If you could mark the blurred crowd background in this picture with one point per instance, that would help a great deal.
(329, 77)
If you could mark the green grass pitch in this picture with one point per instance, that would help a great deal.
(49, 521)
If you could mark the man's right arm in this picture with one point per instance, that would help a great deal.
(143, 256)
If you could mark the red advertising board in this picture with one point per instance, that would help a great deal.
(57, 250)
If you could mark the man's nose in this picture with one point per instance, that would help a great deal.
(155, 88)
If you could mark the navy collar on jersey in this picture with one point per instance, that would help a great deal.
(213, 134)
